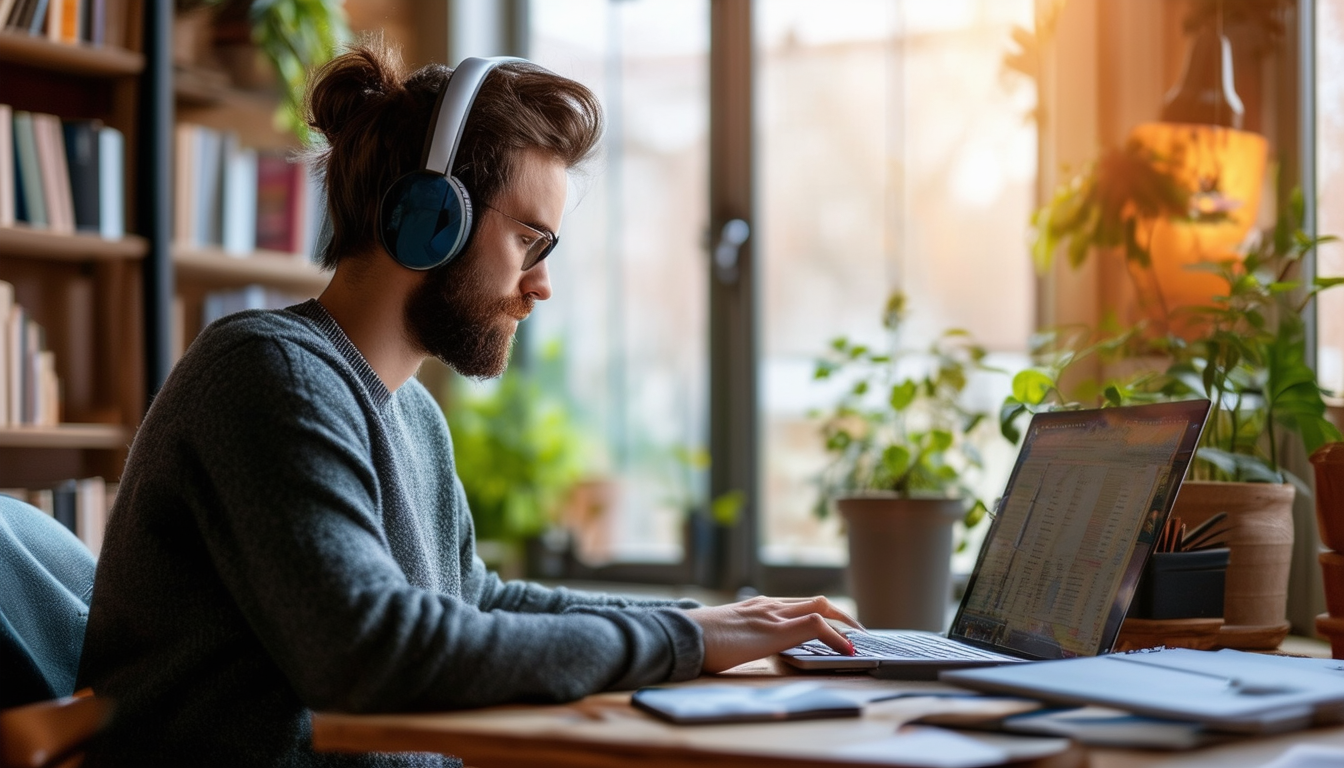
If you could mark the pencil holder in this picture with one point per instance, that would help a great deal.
(1182, 585)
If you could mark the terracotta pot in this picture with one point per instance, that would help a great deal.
(900, 553)
(1332, 574)
(1332, 627)
(1260, 535)
(1328, 463)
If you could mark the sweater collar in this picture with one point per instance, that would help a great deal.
(313, 310)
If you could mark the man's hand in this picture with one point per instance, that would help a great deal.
(740, 632)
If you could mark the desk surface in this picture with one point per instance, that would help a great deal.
(605, 731)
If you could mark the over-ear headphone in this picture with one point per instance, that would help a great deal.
(425, 216)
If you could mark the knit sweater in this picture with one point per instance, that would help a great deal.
(289, 535)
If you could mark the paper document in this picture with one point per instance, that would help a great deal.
(1225, 690)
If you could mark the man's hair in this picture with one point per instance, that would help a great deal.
(375, 119)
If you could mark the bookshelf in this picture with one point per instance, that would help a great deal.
(83, 289)
(71, 59)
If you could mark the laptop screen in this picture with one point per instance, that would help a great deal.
(1090, 491)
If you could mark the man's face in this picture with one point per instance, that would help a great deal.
(466, 313)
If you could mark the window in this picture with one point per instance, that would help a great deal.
(895, 153)
(629, 311)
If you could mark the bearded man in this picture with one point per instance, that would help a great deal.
(290, 533)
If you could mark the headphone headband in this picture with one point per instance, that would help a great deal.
(454, 103)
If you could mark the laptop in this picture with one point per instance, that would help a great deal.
(1089, 493)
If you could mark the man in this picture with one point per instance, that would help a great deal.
(290, 532)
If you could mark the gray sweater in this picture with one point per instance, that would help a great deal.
(290, 535)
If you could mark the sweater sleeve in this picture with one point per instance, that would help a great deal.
(287, 501)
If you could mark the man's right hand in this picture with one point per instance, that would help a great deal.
(752, 629)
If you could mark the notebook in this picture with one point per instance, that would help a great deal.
(1087, 497)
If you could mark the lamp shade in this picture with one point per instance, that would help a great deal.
(1224, 170)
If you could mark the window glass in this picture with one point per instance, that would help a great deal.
(629, 311)
(1330, 188)
(894, 151)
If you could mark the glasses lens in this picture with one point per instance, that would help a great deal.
(540, 249)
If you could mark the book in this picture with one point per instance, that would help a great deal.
(42, 499)
(15, 333)
(208, 191)
(6, 6)
(63, 505)
(48, 390)
(91, 512)
(55, 174)
(6, 309)
(277, 203)
(1225, 691)
(111, 183)
(81, 154)
(239, 216)
(8, 183)
(30, 173)
(184, 183)
(32, 394)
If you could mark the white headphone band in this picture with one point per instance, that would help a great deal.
(454, 104)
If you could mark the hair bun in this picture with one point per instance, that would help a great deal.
(342, 89)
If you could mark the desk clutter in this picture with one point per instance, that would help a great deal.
(1164, 699)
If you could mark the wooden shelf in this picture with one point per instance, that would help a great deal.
(79, 436)
(81, 59)
(217, 269)
(42, 244)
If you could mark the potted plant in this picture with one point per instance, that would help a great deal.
(707, 522)
(899, 441)
(519, 455)
(1246, 352)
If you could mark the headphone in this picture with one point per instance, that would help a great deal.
(424, 219)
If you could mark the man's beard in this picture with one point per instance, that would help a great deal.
(451, 317)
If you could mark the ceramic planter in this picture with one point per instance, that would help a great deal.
(1328, 464)
(900, 553)
(1260, 522)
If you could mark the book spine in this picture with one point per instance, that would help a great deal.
(32, 395)
(55, 174)
(16, 326)
(26, 147)
(81, 154)
(37, 19)
(63, 505)
(240, 198)
(49, 389)
(111, 183)
(6, 310)
(91, 512)
(8, 184)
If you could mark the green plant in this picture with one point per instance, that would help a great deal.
(517, 452)
(297, 36)
(900, 425)
(1246, 353)
(688, 488)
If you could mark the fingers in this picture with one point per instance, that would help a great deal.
(819, 605)
(813, 626)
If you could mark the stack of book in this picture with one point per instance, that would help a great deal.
(74, 22)
(29, 388)
(240, 199)
(65, 176)
(80, 505)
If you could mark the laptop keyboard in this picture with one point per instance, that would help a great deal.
(908, 646)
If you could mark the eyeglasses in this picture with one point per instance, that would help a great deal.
(539, 247)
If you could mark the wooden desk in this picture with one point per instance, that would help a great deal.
(604, 731)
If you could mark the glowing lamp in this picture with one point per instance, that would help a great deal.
(1223, 169)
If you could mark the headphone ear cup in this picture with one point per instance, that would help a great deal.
(424, 219)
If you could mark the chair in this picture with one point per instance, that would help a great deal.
(48, 579)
